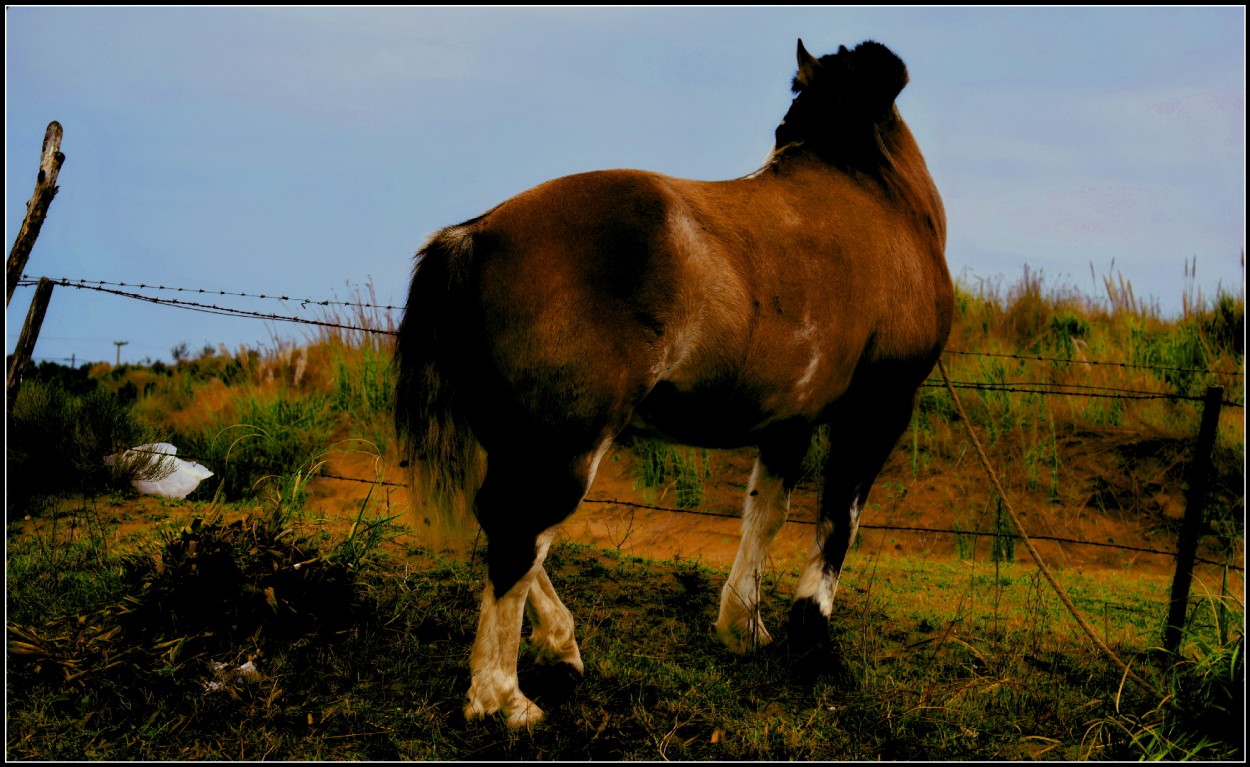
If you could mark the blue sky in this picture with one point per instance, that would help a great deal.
(306, 151)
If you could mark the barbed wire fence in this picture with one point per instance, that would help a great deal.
(204, 301)
(45, 189)
(127, 290)
(321, 474)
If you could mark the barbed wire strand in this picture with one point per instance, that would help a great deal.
(944, 531)
(27, 281)
(322, 474)
(1129, 394)
(224, 310)
(1098, 393)
(1042, 358)
(1028, 543)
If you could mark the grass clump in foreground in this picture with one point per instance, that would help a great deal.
(116, 650)
(216, 647)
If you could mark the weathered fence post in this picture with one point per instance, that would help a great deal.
(1195, 506)
(26, 342)
(36, 208)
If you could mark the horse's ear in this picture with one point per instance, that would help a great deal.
(807, 69)
(883, 74)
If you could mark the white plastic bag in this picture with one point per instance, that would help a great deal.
(183, 477)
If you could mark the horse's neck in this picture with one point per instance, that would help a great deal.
(903, 184)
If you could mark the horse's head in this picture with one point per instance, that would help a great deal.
(843, 109)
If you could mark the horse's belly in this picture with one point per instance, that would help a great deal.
(710, 417)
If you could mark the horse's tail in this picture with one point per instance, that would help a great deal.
(444, 457)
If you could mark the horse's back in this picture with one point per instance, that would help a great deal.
(762, 297)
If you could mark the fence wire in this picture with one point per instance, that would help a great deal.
(1050, 389)
(218, 310)
(305, 302)
(1019, 387)
(322, 474)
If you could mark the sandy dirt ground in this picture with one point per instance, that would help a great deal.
(712, 535)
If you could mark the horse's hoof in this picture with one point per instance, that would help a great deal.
(553, 683)
(473, 711)
(573, 661)
(522, 713)
(743, 639)
(807, 630)
(525, 715)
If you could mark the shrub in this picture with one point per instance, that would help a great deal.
(56, 443)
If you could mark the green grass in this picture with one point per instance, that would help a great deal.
(369, 660)
(271, 436)
(62, 568)
(663, 467)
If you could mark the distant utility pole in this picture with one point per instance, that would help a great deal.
(119, 345)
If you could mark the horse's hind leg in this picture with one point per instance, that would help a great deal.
(861, 437)
(552, 636)
(520, 503)
(494, 658)
(768, 500)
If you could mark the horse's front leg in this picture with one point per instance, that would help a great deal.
(863, 435)
(768, 501)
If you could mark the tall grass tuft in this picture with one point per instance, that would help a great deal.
(271, 434)
(364, 390)
(1202, 715)
(661, 465)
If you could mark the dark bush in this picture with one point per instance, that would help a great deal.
(56, 442)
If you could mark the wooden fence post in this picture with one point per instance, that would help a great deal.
(1191, 527)
(36, 208)
(26, 342)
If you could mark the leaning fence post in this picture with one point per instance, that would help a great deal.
(1195, 503)
(36, 209)
(26, 341)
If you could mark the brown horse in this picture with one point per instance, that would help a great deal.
(723, 314)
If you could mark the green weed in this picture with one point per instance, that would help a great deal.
(965, 543)
(1202, 716)
(662, 465)
(363, 387)
(1003, 548)
(271, 434)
